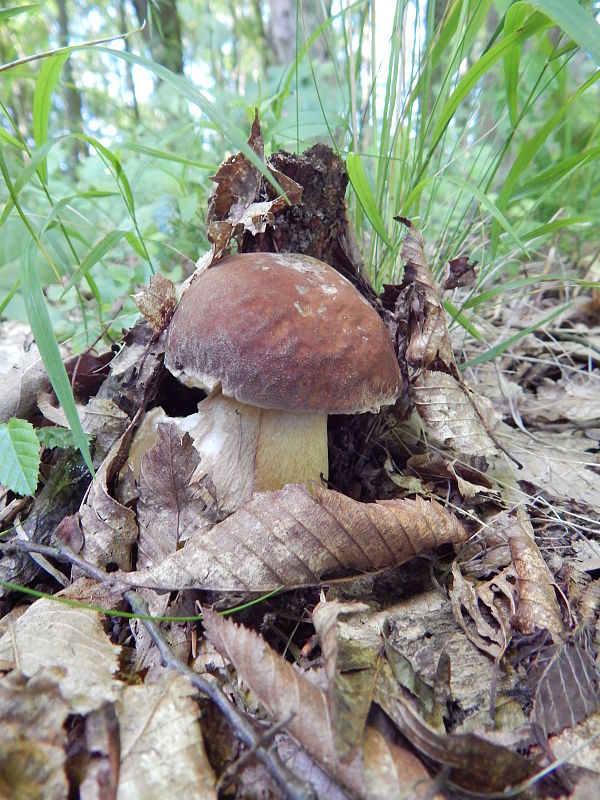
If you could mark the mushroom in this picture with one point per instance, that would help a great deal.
(278, 341)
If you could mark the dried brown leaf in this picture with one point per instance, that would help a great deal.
(301, 537)
(157, 302)
(32, 737)
(169, 505)
(568, 689)
(101, 418)
(50, 634)
(493, 598)
(161, 742)
(109, 528)
(474, 764)
(460, 273)
(351, 671)
(537, 606)
(575, 398)
(378, 769)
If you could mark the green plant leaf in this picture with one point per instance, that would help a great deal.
(576, 21)
(515, 17)
(19, 456)
(41, 326)
(360, 184)
(42, 100)
(98, 251)
(6, 13)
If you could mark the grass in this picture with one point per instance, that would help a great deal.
(482, 134)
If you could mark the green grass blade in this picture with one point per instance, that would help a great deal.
(42, 100)
(163, 155)
(6, 137)
(515, 17)
(41, 326)
(7, 13)
(360, 184)
(97, 253)
(577, 22)
(499, 348)
(19, 456)
(183, 87)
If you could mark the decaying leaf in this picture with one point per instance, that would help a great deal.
(452, 412)
(157, 302)
(460, 273)
(301, 537)
(100, 418)
(109, 528)
(378, 769)
(162, 752)
(574, 397)
(474, 763)
(568, 689)
(537, 606)
(351, 674)
(50, 634)
(496, 598)
(32, 737)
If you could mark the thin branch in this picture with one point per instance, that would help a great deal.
(67, 49)
(290, 785)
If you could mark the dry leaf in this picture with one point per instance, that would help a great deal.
(51, 634)
(103, 750)
(537, 606)
(496, 598)
(32, 737)
(157, 302)
(162, 752)
(568, 690)
(101, 418)
(109, 528)
(460, 273)
(378, 769)
(300, 537)
(351, 671)
(474, 764)
(575, 398)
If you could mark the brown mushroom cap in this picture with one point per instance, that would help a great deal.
(283, 331)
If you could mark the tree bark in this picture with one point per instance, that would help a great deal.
(165, 40)
(73, 103)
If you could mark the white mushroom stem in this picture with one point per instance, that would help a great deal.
(245, 449)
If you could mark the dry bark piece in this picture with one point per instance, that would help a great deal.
(377, 769)
(157, 302)
(296, 537)
(103, 753)
(32, 737)
(351, 672)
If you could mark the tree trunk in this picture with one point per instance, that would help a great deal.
(72, 96)
(165, 37)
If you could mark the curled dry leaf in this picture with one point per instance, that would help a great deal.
(496, 597)
(537, 605)
(377, 769)
(161, 742)
(157, 302)
(568, 689)
(50, 634)
(451, 411)
(32, 737)
(109, 528)
(300, 536)
(473, 763)
(351, 672)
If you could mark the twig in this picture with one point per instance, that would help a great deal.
(67, 49)
(290, 785)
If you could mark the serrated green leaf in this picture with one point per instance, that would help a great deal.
(56, 437)
(41, 326)
(19, 456)
(42, 100)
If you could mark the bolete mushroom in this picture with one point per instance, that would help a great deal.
(278, 341)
